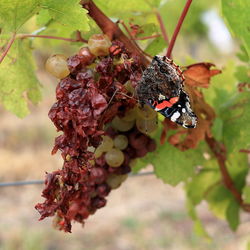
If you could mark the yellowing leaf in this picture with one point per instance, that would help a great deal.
(14, 13)
(69, 13)
(18, 80)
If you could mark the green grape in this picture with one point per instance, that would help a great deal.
(98, 152)
(146, 112)
(107, 143)
(99, 44)
(146, 126)
(130, 115)
(114, 157)
(121, 142)
(57, 66)
(122, 125)
(115, 181)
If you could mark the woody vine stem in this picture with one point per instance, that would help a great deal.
(114, 32)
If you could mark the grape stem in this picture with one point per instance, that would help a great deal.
(21, 36)
(220, 153)
(177, 28)
(162, 26)
(8, 46)
(112, 29)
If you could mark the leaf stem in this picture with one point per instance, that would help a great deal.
(8, 46)
(162, 26)
(177, 28)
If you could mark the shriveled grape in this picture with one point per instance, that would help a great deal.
(114, 157)
(57, 66)
(121, 142)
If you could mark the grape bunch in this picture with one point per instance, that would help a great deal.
(104, 130)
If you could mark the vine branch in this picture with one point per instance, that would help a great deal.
(219, 151)
(112, 29)
(177, 28)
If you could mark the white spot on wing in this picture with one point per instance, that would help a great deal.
(175, 116)
(183, 110)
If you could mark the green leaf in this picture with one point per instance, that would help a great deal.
(198, 227)
(232, 214)
(242, 55)
(202, 183)
(68, 13)
(246, 194)
(14, 13)
(156, 46)
(171, 164)
(242, 73)
(18, 80)
(43, 17)
(238, 18)
(217, 129)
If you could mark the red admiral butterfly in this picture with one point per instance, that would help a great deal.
(161, 87)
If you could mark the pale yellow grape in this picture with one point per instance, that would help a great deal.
(130, 115)
(121, 142)
(98, 152)
(115, 181)
(99, 44)
(122, 125)
(57, 66)
(107, 143)
(146, 112)
(114, 157)
(146, 126)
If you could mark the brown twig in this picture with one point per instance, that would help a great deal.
(220, 153)
(78, 39)
(177, 28)
(8, 46)
(162, 26)
(112, 30)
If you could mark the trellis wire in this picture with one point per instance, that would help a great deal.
(35, 182)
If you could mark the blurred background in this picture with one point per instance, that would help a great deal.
(143, 213)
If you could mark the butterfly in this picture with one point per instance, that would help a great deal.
(161, 87)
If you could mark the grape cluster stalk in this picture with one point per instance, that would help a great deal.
(103, 129)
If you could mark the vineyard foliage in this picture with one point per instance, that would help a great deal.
(204, 167)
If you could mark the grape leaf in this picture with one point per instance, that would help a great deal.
(14, 13)
(18, 80)
(243, 74)
(246, 194)
(171, 164)
(156, 46)
(43, 17)
(198, 227)
(232, 214)
(68, 13)
(238, 18)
